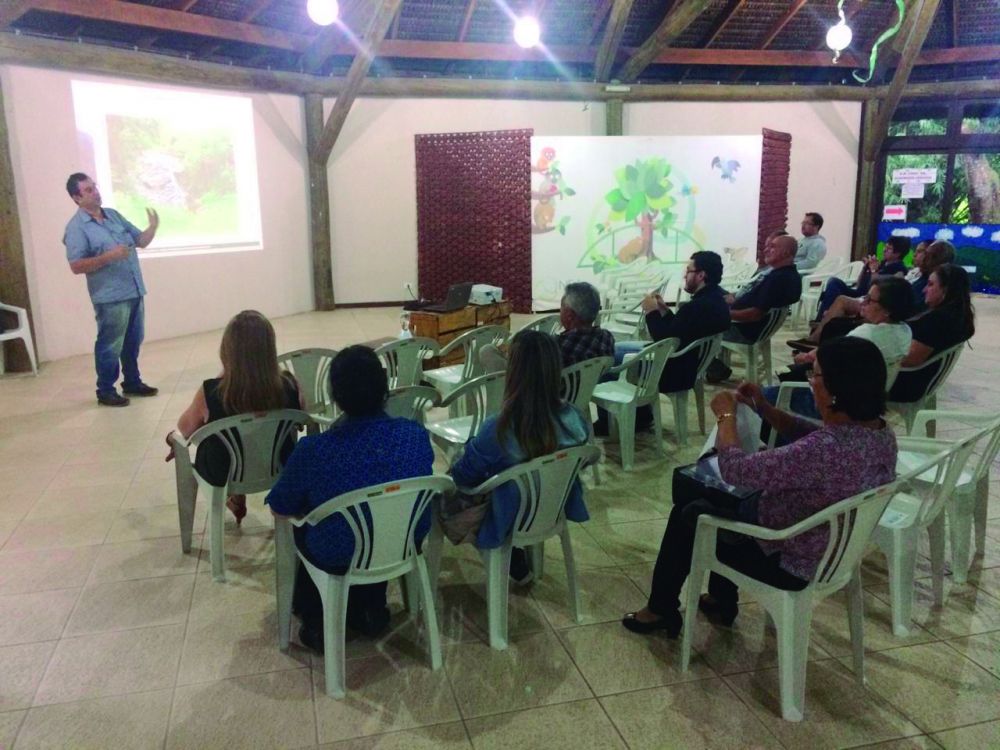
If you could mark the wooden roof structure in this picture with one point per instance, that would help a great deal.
(652, 41)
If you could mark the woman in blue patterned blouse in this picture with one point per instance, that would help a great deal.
(363, 448)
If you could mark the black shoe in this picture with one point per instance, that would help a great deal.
(802, 345)
(716, 612)
(369, 622)
(601, 428)
(112, 399)
(311, 638)
(671, 623)
(140, 390)
(717, 372)
(520, 566)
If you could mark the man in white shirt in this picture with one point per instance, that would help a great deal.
(812, 246)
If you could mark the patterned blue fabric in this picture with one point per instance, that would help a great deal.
(484, 457)
(86, 238)
(353, 454)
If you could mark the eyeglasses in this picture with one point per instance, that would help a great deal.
(812, 375)
(689, 271)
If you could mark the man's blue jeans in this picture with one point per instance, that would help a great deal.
(120, 330)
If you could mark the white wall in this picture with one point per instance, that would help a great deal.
(373, 191)
(187, 293)
(824, 165)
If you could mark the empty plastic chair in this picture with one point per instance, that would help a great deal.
(383, 519)
(254, 444)
(23, 332)
(448, 378)
(479, 398)
(403, 360)
(311, 368)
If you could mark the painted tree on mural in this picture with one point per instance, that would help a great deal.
(642, 197)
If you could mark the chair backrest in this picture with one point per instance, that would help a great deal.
(470, 343)
(852, 271)
(948, 459)
(892, 367)
(403, 359)
(412, 402)
(580, 379)
(773, 320)
(544, 485)
(311, 367)
(851, 523)
(990, 448)
(383, 519)
(647, 365)
(549, 324)
(707, 348)
(254, 443)
(481, 398)
(945, 362)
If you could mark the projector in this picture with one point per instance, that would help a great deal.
(484, 294)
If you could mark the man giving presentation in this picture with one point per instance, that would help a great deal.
(101, 243)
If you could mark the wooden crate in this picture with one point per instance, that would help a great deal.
(446, 327)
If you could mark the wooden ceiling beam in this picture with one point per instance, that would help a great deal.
(600, 13)
(782, 22)
(332, 40)
(681, 15)
(470, 10)
(164, 20)
(924, 12)
(722, 20)
(385, 11)
(11, 11)
(850, 13)
(613, 32)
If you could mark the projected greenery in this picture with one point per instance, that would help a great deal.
(188, 176)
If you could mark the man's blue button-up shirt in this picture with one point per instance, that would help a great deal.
(87, 238)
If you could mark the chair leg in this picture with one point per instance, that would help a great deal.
(433, 545)
(680, 403)
(657, 423)
(980, 510)
(699, 399)
(497, 563)
(286, 563)
(793, 625)
(411, 592)
(217, 524)
(187, 496)
(334, 627)
(29, 344)
(960, 533)
(537, 552)
(430, 613)
(902, 561)
(856, 622)
(765, 350)
(936, 533)
(751, 354)
(574, 589)
(695, 582)
(626, 435)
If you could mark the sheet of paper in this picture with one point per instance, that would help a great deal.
(912, 190)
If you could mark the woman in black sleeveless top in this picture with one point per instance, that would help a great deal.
(251, 381)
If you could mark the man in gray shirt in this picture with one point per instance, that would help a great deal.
(101, 243)
(812, 246)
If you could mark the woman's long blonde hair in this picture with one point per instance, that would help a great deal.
(531, 400)
(251, 380)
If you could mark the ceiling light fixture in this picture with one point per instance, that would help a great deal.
(527, 32)
(838, 38)
(323, 12)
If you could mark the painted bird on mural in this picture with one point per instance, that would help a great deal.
(728, 168)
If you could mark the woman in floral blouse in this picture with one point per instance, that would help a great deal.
(853, 451)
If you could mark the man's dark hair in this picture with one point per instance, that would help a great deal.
(73, 183)
(358, 382)
(711, 264)
(854, 373)
(901, 245)
(816, 219)
(895, 297)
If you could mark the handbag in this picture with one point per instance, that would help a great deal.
(701, 481)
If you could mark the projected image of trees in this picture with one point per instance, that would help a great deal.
(188, 176)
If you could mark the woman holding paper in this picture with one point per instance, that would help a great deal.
(854, 450)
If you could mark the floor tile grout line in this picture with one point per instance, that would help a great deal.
(753, 713)
(177, 670)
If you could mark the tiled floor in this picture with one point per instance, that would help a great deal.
(111, 638)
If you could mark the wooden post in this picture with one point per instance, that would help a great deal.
(13, 277)
(319, 207)
(614, 115)
(866, 202)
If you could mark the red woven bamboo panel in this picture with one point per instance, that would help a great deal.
(474, 212)
(774, 169)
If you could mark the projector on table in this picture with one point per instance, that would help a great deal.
(484, 294)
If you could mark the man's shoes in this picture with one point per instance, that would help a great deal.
(112, 399)
(717, 372)
(802, 345)
(312, 637)
(520, 566)
(140, 390)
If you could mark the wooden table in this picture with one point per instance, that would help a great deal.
(445, 327)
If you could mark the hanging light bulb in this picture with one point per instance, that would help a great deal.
(322, 12)
(527, 32)
(838, 37)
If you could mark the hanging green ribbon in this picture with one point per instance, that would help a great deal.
(887, 34)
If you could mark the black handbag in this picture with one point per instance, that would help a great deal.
(701, 481)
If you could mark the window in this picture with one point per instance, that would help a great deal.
(928, 208)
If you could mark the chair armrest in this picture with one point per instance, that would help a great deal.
(784, 400)
(594, 455)
(10, 308)
(965, 417)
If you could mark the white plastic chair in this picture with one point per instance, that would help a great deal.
(311, 368)
(412, 402)
(544, 485)
(479, 398)
(850, 523)
(708, 349)
(621, 397)
(254, 444)
(814, 283)
(578, 383)
(938, 464)
(971, 496)
(761, 348)
(23, 332)
(945, 362)
(403, 359)
(624, 318)
(383, 519)
(550, 324)
(448, 378)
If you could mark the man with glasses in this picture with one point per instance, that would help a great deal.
(101, 243)
(812, 246)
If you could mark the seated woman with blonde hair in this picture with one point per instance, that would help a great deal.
(251, 382)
